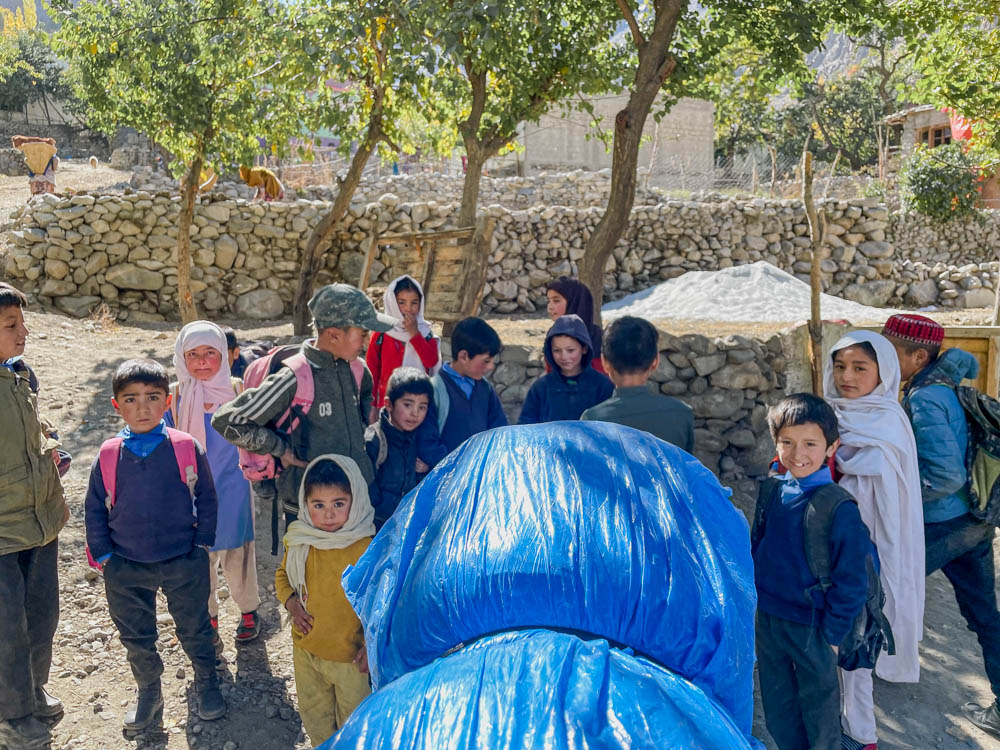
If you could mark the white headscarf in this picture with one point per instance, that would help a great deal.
(878, 457)
(399, 332)
(194, 393)
(302, 534)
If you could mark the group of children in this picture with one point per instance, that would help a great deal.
(168, 503)
(903, 466)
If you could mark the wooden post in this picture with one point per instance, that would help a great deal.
(817, 233)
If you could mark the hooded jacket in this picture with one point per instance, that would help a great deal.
(941, 433)
(556, 397)
(397, 474)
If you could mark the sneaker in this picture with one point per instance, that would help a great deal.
(46, 706)
(249, 627)
(849, 743)
(210, 703)
(25, 733)
(147, 709)
(986, 718)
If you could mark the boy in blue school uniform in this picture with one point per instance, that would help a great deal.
(155, 535)
(464, 401)
(797, 637)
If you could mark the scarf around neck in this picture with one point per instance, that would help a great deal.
(399, 332)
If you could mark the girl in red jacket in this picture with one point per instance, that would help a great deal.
(409, 344)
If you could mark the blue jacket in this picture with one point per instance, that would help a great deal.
(454, 417)
(556, 397)
(397, 474)
(941, 433)
(781, 570)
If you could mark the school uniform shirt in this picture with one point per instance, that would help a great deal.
(336, 633)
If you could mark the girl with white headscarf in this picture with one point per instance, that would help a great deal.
(203, 384)
(410, 343)
(328, 651)
(878, 460)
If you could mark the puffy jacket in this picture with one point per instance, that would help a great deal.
(397, 473)
(941, 432)
(31, 497)
(555, 397)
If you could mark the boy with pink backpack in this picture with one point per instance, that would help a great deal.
(313, 404)
(151, 517)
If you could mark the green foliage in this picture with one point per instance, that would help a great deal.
(202, 78)
(942, 182)
(959, 60)
(33, 72)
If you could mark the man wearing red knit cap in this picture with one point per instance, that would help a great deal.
(956, 542)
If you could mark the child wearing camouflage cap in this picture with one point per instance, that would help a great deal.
(342, 315)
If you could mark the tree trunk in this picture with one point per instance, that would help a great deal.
(817, 231)
(319, 239)
(655, 66)
(185, 300)
(470, 187)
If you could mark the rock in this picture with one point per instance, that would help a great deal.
(56, 288)
(745, 375)
(215, 212)
(56, 269)
(505, 289)
(78, 307)
(871, 293)
(260, 304)
(977, 298)
(922, 293)
(226, 251)
(708, 442)
(741, 438)
(130, 276)
(873, 249)
(709, 363)
(719, 404)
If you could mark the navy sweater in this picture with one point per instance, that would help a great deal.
(782, 574)
(398, 474)
(153, 518)
(467, 415)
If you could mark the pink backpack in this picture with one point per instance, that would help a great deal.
(187, 463)
(254, 465)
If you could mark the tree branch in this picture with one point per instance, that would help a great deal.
(633, 26)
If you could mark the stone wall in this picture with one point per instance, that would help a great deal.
(77, 252)
(728, 382)
(12, 162)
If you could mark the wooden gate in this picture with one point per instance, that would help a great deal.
(450, 266)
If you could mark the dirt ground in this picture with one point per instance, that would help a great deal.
(73, 175)
(74, 361)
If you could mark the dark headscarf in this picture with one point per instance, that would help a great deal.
(579, 302)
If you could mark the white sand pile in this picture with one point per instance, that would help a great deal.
(758, 292)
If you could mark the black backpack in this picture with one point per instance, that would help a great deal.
(870, 633)
(982, 454)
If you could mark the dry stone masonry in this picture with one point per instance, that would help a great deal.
(80, 251)
(12, 162)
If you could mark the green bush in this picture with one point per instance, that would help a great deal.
(942, 183)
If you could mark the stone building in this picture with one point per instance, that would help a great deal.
(677, 151)
(925, 125)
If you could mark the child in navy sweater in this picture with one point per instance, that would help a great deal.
(464, 401)
(154, 534)
(799, 628)
(572, 386)
(391, 442)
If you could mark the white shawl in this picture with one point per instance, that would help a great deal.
(878, 457)
(398, 332)
(302, 534)
(194, 393)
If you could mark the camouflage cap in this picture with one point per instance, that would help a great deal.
(343, 305)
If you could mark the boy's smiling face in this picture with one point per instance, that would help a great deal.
(802, 448)
(568, 355)
(407, 412)
(13, 333)
(141, 405)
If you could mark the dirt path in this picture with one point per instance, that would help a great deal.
(75, 175)
(74, 361)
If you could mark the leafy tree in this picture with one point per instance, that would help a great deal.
(672, 45)
(388, 94)
(34, 74)
(204, 79)
(942, 182)
(501, 64)
(14, 23)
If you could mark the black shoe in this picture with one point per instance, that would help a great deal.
(26, 733)
(147, 709)
(46, 706)
(986, 718)
(210, 703)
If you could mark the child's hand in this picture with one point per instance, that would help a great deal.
(289, 459)
(410, 325)
(302, 619)
(361, 660)
(421, 467)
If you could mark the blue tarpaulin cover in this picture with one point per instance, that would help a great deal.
(589, 527)
(539, 689)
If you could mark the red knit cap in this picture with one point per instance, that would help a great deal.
(914, 328)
